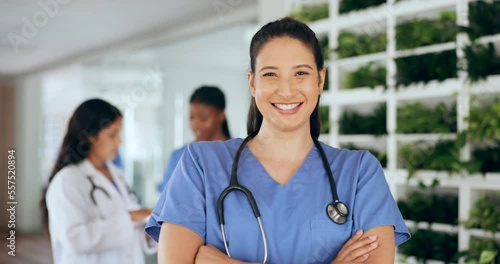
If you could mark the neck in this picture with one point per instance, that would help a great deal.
(286, 145)
(98, 163)
(219, 136)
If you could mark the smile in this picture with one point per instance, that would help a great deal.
(287, 107)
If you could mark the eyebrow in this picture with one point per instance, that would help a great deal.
(294, 67)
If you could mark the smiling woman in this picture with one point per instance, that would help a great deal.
(284, 176)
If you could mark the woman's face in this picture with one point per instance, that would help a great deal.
(105, 144)
(205, 120)
(286, 84)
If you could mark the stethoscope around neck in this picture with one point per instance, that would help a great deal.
(336, 211)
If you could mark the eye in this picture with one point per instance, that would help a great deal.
(269, 74)
(301, 73)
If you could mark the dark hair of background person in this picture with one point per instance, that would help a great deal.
(212, 96)
(285, 27)
(88, 120)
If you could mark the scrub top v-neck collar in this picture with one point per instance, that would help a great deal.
(299, 173)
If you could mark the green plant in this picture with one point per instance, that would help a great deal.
(444, 155)
(324, 114)
(354, 123)
(428, 206)
(420, 32)
(489, 157)
(417, 118)
(483, 19)
(427, 67)
(323, 43)
(481, 61)
(482, 252)
(351, 44)
(381, 156)
(326, 86)
(310, 13)
(484, 121)
(484, 215)
(370, 75)
(426, 244)
(351, 5)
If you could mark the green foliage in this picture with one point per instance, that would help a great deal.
(426, 244)
(310, 13)
(489, 157)
(429, 207)
(323, 43)
(484, 215)
(481, 61)
(352, 123)
(326, 86)
(421, 32)
(370, 75)
(482, 252)
(324, 114)
(351, 5)
(381, 156)
(484, 121)
(427, 67)
(351, 44)
(444, 155)
(483, 19)
(417, 118)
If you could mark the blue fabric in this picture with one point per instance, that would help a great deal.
(118, 161)
(294, 216)
(174, 159)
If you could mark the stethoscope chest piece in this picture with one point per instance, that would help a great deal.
(337, 212)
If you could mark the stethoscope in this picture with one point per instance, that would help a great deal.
(336, 211)
(98, 188)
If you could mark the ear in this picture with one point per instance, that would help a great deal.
(322, 77)
(251, 81)
(221, 116)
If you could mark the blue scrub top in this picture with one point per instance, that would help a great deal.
(294, 216)
(174, 159)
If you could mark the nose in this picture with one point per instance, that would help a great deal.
(286, 88)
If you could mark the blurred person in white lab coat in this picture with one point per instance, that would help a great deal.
(93, 215)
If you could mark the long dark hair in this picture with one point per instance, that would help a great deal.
(88, 120)
(285, 27)
(213, 96)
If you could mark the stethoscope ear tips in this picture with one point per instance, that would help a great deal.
(337, 212)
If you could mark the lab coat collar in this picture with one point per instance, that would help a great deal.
(99, 178)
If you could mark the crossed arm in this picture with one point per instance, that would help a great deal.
(178, 244)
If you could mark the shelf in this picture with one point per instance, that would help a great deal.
(488, 39)
(361, 17)
(358, 96)
(437, 227)
(489, 181)
(320, 27)
(411, 7)
(359, 60)
(431, 89)
(425, 137)
(489, 86)
(360, 138)
(426, 49)
(480, 233)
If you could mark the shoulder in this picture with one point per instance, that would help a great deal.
(68, 177)
(217, 148)
(362, 160)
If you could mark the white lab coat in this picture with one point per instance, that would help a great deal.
(81, 232)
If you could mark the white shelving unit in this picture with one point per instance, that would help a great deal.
(458, 90)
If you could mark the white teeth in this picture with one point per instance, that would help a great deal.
(287, 106)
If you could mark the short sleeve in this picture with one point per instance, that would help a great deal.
(172, 163)
(182, 202)
(374, 204)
